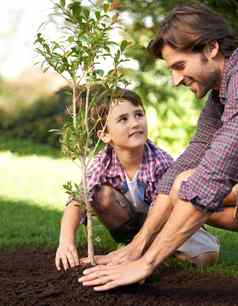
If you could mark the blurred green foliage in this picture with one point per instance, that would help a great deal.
(35, 121)
(177, 109)
(172, 113)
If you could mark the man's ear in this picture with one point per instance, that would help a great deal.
(104, 136)
(211, 50)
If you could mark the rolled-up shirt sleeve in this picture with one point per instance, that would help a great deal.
(217, 172)
(209, 122)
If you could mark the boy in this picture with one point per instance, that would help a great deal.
(122, 181)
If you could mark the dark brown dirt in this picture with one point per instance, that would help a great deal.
(29, 278)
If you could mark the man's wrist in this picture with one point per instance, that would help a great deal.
(148, 264)
(141, 239)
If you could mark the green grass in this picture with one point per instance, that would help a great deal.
(32, 200)
(23, 147)
(228, 252)
(25, 224)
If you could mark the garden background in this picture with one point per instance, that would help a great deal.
(32, 168)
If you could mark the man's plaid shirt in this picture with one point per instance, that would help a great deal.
(106, 169)
(213, 151)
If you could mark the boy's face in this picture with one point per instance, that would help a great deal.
(126, 126)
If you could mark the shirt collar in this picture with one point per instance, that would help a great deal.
(145, 170)
(113, 163)
(147, 166)
(228, 69)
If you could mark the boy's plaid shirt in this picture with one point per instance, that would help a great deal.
(106, 169)
(213, 151)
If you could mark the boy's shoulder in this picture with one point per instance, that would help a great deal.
(102, 160)
(155, 163)
(156, 153)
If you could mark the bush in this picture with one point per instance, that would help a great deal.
(35, 121)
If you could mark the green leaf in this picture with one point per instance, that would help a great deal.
(124, 44)
(76, 9)
(60, 68)
(106, 7)
(70, 39)
(86, 12)
(62, 3)
(98, 15)
(117, 56)
(99, 72)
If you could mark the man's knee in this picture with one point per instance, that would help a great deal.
(204, 259)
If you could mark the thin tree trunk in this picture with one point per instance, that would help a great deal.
(84, 179)
(89, 219)
(74, 105)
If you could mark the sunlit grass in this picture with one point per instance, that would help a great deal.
(36, 179)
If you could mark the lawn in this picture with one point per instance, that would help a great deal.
(32, 197)
(32, 200)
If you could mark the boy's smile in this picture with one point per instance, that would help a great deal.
(136, 133)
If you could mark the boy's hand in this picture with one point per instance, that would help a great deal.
(67, 255)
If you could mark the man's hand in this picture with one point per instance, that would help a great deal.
(67, 255)
(105, 277)
(130, 252)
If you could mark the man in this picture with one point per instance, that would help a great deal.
(199, 47)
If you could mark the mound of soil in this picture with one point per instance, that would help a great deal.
(28, 277)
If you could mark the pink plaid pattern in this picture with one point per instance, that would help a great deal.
(106, 169)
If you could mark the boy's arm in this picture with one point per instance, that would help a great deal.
(67, 253)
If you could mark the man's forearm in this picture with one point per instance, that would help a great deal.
(184, 221)
(157, 217)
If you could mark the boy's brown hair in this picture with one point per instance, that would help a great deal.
(101, 100)
(191, 28)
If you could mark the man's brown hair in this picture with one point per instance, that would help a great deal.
(191, 28)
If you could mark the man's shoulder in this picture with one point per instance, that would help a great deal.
(230, 72)
(233, 60)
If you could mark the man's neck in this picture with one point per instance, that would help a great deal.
(221, 69)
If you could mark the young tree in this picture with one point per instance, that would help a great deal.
(78, 55)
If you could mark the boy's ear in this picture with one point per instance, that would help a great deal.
(104, 136)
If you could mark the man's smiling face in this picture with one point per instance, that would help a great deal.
(194, 70)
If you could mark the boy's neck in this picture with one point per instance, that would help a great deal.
(130, 160)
